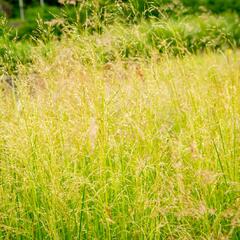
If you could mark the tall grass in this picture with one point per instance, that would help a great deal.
(129, 149)
(116, 131)
(111, 42)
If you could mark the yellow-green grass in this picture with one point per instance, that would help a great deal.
(124, 150)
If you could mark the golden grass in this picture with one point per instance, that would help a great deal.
(126, 150)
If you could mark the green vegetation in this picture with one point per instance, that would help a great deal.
(121, 121)
(129, 150)
(129, 10)
(191, 34)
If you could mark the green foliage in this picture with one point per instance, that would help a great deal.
(27, 28)
(217, 6)
(12, 53)
(189, 34)
(192, 34)
(93, 15)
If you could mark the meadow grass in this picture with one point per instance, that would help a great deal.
(114, 130)
(130, 149)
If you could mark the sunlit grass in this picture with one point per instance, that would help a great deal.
(124, 150)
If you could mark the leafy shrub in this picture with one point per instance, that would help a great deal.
(12, 53)
(27, 27)
(194, 34)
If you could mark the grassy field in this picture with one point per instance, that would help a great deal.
(122, 121)
(129, 149)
